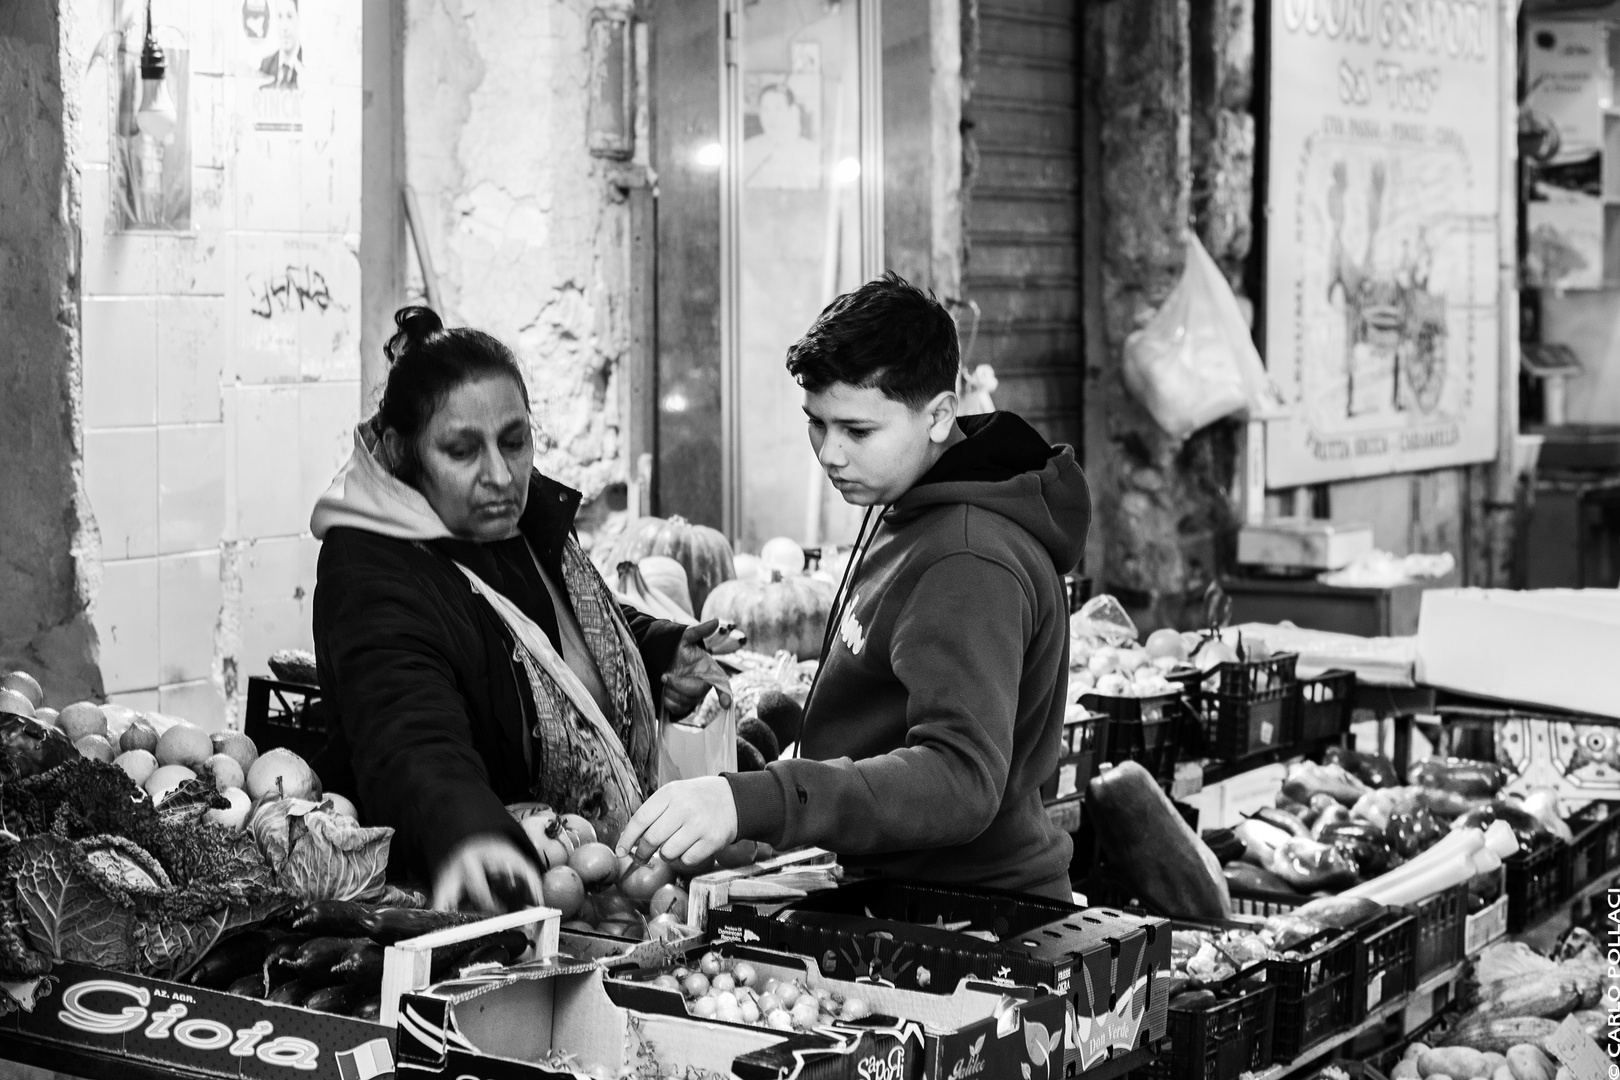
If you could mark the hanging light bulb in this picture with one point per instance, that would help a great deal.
(156, 117)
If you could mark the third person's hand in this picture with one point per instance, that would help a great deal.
(693, 672)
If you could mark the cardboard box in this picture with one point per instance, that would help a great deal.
(171, 1025)
(979, 1028)
(1550, 647)
(557, 1020)
(715, 890)
(1303, 543)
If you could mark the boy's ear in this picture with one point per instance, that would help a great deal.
(942, 416)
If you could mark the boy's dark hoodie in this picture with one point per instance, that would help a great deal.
(939, 708)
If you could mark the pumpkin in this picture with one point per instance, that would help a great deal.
(784, 614)
(750, 568)
(632, 543)
(784, 554)
(704, 552)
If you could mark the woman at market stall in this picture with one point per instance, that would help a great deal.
(470, 650)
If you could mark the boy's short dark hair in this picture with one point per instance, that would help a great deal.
(887, 334)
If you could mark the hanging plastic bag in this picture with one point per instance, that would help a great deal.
(1194, 362)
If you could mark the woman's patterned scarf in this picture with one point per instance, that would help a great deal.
(574, 770)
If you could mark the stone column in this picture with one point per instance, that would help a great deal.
(46, 540)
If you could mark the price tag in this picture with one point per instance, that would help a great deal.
(1375, 992)
(1576, 1050)
(1266, 732)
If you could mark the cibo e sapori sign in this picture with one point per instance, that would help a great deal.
(1383, 172)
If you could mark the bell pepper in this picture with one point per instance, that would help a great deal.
(1471, 779)
(1414, 832)
(1310, 865)
(1527, 828)
(1306, 780)
(1365, 843)
(1374, 770)
(1329, 817)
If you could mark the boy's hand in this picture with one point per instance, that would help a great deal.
(685, 821)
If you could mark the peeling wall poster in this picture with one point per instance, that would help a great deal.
(151, 177)
(1381, 241)
(273, 58)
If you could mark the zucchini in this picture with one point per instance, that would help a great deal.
(1552, 995)
(1503, 1035)
(1156, 851)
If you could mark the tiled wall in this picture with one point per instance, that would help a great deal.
(218, 394)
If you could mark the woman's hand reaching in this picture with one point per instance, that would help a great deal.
(489, 872)
(694, 670)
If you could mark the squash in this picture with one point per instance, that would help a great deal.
(784, 614)
(668, 577)
(784, 554)
(750, 568)
(704, 552)
(1156, 851)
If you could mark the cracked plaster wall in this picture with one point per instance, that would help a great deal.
(45, 570)
(525, 230)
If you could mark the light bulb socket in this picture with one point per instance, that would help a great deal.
(154, 65)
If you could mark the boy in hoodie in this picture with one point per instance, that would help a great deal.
(939, 705)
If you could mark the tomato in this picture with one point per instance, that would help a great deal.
(616, 906)
(1166, 642)
(595, 862)
(643, 882)
(671, 899)
(583, 831)
(564, 890)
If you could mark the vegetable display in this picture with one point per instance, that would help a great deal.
(736, 992)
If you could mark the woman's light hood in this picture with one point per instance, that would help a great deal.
(365, 495)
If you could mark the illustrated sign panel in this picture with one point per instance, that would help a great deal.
(1381, 236)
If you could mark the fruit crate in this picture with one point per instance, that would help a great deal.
(286, 715)
(1314, 992)
(1248, 707)
(1325, 705)
(1594, 829)
(1140, 729)
(1441, 927)
(1084, 735)
(1221, 1042)
(1536, 882)
(1386, 951)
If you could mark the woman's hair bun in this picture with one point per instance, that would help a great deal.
(415, 324)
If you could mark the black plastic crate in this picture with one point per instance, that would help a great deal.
(1535, 883)
(1084, 736)
(1141, 729)
(1248, 708)
(286, 715)
(1386, 950)
(1325, 705)
(1221, 1042)
(1441, 928)
(1313, 992)
(1589, 853)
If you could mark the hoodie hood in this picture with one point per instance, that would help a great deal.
(1005, 466)
(365, 495)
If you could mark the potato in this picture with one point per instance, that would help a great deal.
(1502, 1073)
(1406, 1069)
(1494, 1061)
(1457, 1062)
(1527, 1062)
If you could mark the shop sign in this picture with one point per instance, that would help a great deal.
(1383, 211)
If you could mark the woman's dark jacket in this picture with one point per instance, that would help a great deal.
(434, 715)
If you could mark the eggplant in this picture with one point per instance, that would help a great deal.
(389, 926)
(296, 991)
(450, 958)
(369, 1009)
(231, 959)
(507, 947)
(248, 986)
(322, 953)
(1246, 877)
(339, 999)
(1527, 828)
(362, 964)
(276, 969)
(337, 918)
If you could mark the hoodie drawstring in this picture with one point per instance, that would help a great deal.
(835, 614)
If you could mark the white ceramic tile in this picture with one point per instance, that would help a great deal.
(191, 264)
(198, 701)
(120, 363)
(327, 415)
(329, 310)
(191, 488)
(329, 173)
(125, 615)
(121, 481)
(265, 165)
(209, 45)
(189, 599)
(268, 500)
(209, 142)
(114, 263)
(337, 26)
(191, 359)
(212, 212)
(263, 307)
(276, 601)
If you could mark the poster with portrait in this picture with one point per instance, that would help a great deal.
(782, 145)
(151, 174)
(272, 52)
(1381, 236)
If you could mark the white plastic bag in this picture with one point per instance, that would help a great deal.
(1194, 362)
